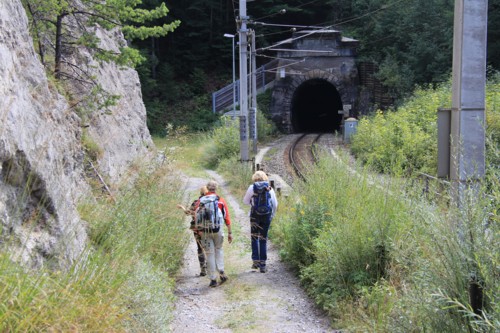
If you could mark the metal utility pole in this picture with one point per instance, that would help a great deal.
(253, 104)
(234, 78)
(243, 82)
(467, 156)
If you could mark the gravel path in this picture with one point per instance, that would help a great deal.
(250, 301)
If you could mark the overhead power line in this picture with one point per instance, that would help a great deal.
(286, 25)
(293, 39)
(301, 50)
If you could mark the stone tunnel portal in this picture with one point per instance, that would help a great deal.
(315, 107)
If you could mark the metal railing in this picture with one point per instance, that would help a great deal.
(223, 98)
(433, 186)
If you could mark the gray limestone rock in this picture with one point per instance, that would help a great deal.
(41, 153)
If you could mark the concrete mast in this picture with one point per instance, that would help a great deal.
(243, 82)
(467, 160)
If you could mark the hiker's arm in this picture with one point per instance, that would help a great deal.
(274, 201)
(225, 211)
(186, 211)
(247, 199)
(227, 219)
(190, 210)
(229, 233)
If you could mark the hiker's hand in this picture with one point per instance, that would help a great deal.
(230, 238)
(183, 208)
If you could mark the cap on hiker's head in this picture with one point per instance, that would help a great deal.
(212, 186)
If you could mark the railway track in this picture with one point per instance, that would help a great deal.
(277, 159)
(303, 152)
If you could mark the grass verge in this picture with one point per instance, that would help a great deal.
(124, 279)
(380, 258)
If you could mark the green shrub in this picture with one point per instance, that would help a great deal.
(266, 128)
(237, 174)
(222, 143)
(380, 258)
(403, 141)
(194, 113)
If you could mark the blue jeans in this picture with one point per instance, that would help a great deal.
(259, 226)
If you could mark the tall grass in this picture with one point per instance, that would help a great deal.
(123, 281)
(380, 258)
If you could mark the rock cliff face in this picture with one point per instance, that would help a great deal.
(119, 130)
(41, 154)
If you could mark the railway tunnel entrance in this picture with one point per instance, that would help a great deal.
(314, 107)
(316, 77)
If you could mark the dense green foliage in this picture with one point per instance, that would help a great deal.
(380, 258)
(123, 281)
(53, 25)
(411, 41)
(176, 103)
(223, 143)
(405, 140)
(266, 128)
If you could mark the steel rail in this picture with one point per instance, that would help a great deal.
(293, 150)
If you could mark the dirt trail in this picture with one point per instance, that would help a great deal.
(250, 301)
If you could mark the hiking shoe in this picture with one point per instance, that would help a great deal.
(203, 271)
(223, 277)
(255, 265)
(263, 269)
(213, 283)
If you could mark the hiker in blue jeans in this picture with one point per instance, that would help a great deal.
(262, 199)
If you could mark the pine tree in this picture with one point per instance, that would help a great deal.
(59, 26)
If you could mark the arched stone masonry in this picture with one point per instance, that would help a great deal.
(328, 58)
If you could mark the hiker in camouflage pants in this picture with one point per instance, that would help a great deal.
(197, 234)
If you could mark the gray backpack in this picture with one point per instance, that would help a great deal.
(208, 216)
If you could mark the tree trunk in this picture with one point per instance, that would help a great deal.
(58, 51)
(36, 32)
(153, 59)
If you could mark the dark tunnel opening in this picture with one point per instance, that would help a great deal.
(315, 107)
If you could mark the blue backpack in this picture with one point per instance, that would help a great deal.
(261, 204)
